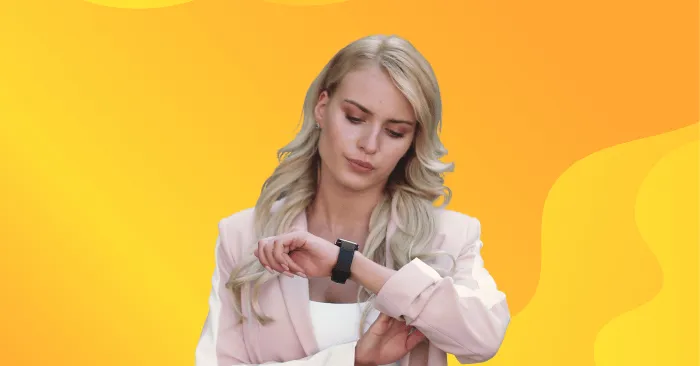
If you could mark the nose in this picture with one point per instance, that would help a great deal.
(369, 140)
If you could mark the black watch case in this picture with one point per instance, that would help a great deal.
(341, 270)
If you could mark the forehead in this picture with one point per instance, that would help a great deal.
(374, 89)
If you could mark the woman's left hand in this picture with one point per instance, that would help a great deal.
(298, 252)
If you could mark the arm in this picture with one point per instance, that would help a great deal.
(221, 342)
(465, 315)
(368, 273)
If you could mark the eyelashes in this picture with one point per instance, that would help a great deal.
(353, 120)
(394, 134)
(391, 133)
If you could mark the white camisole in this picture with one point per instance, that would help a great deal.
(336, 324)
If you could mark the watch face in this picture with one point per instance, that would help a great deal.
(346, 244)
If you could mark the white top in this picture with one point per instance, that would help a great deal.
(336, 324)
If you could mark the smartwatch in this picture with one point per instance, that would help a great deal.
(341, 271)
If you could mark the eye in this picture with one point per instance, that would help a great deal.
(395, 134)
(354, 120)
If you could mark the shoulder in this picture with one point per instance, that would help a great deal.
(450, 217)
(457, 227)
(237, 221)
(237, 232)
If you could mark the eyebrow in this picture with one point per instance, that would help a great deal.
(364, 109)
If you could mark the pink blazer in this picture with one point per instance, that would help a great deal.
(464, 315)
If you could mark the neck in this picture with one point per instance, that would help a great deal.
(337, 212)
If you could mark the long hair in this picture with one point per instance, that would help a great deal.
(414, 187)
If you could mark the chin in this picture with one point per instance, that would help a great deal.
(355, 182)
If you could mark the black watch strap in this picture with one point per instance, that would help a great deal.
(341, 270)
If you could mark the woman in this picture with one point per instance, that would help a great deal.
(290, 285)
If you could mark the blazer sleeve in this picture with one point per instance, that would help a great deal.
(464, 314)
(221, 342)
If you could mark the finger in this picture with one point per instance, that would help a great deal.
(384, 318)
(381, 325)
(298, 242)
(414, 338)
(274, 258)
(288, 237)
(277, 253)
(294, 243)
(269, 255)
(293, 266)
(293, 240)
(378, 323)
(398, 327)
(261, 256)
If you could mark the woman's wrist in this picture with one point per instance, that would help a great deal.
(369, 274)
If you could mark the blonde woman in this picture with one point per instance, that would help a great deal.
(347, 258)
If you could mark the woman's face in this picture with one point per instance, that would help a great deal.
(366, 128)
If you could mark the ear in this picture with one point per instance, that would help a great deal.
(320, 109)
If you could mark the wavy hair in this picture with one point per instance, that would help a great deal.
(411, 193)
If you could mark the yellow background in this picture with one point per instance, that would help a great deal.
(129, 128)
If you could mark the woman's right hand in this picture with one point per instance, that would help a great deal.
(385, 342)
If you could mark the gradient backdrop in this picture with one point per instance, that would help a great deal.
(129, 128)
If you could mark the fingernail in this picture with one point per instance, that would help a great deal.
(286, 267)
(301, 274)
(269, 269)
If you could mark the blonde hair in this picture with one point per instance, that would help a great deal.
(411, 193)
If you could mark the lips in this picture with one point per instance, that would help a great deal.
(363, 164)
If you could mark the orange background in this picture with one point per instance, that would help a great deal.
(129, 128)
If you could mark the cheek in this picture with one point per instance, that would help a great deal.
(334, 137)
(340, 127)
(395, 151)
(341, 133)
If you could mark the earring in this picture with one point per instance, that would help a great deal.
(318, 127)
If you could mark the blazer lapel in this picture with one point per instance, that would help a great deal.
(295, 292)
